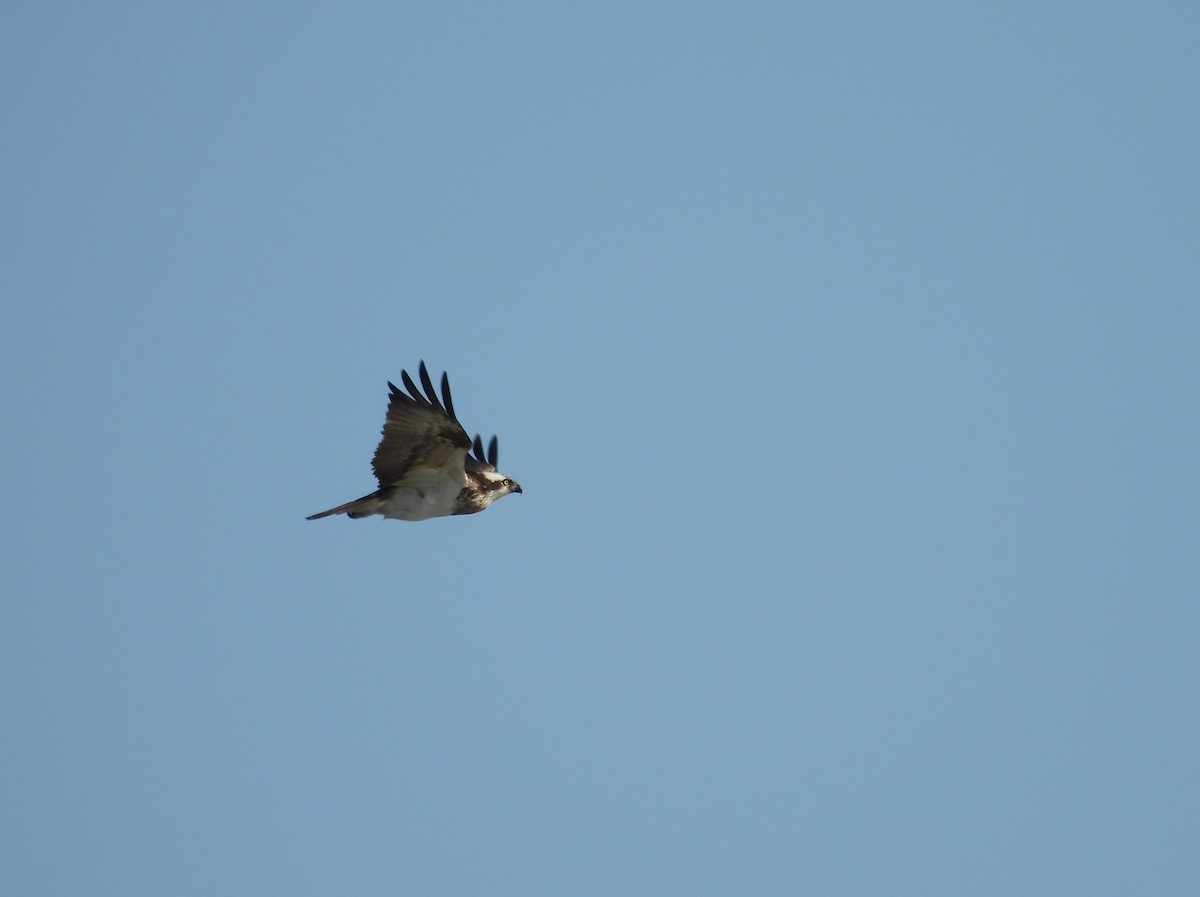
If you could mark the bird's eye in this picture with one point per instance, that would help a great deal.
(507, 481)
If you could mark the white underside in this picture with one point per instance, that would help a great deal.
(423, 495)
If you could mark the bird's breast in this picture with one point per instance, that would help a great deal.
(421, 495)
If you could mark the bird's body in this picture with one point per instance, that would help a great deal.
(426, 464)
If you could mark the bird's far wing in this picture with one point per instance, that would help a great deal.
(420, 431)
(478, 459)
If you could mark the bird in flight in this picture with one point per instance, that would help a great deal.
(426, 464)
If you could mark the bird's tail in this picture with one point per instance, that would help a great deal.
(360, 507)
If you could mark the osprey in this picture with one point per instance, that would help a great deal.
(426, 464)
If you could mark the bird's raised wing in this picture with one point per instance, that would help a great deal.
(478, 459)
(420, 431)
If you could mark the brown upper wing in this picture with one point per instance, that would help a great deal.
(420, 431)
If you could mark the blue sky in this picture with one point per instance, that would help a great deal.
(847, 357)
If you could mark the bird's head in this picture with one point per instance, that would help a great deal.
(500, 485)
(489, 487)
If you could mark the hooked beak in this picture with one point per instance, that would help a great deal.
(517, 487)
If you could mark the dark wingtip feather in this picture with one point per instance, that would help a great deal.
(477, 447)
(494, 452)
(428, 384)
(449, 402)
(410, 386)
